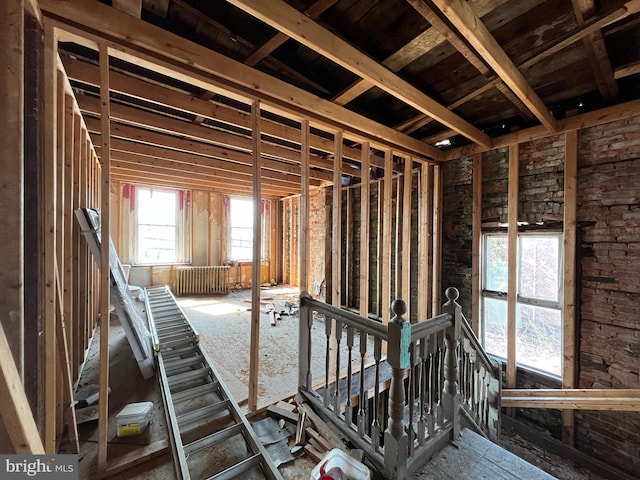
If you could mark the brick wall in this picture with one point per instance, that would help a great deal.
(608, 258)
(609, 219)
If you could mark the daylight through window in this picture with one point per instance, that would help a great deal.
(241, 220)
(156, 225)
(539, 299)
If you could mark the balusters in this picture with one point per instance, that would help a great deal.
(348, 408)
(328, 322)
(422, 390)
(375, 422)
(362, 402)
(336, 393)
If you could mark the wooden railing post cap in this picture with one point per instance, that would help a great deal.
(305, 294)
(452, 295)
(398, 307)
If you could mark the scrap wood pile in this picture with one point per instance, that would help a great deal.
(313, 436)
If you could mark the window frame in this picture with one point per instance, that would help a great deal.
(523, 299)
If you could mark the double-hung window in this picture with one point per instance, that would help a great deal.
(156, 229)
(241, 228)
(538, 322)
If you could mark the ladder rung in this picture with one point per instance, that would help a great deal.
(175, 366)
(188, 376)
(194, 392)
(176, 352)
(236, 470)
(202, 413)
(214, 438)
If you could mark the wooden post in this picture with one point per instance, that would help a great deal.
(395, 436)
(49, 250)
(304, 207)
(451, 391)
(12, 178)
(437, 240)
(105, 139)
(569, 287)
(336, 224)
(512, 234)
(68, 221)
(406, 233)
(424, 244)
(365, 198)
(255, 270)
(476, 236)
(386, 236)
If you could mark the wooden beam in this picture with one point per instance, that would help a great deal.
(290, 21)
(132, 7)
(304, 206)
(12, 181)
(424, 243)
(573, 399)
(387, 212)
(627, 70)
(365, 210)
(407, 191)
(105, 239)
(336, 224)
(596, 51)
(14, 406)
(314, 11)
(476, 33)
(512, 267)
(257, 255)
(70, 151)
(49, 250)
(602, 116)
(569, 276)
(436, 281)
(476, 236)
(197, 65)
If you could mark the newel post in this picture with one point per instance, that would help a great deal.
(395, 436)
(304, 342)
(451, 392)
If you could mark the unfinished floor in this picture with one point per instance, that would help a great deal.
(224, 325)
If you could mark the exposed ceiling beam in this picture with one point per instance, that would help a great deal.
(133, 40)
(299, 27)
(314, 11)
(460, 45)
(596, 51)
(627, 70)
(420, 45)
(87, 73)
(132, 7)
(472, 28)
(152, 143)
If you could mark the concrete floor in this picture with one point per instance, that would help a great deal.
(224, 326)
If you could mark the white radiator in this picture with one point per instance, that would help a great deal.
(188, 280)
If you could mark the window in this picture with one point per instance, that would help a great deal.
(539, 299)
(241, 221)
(156, 231)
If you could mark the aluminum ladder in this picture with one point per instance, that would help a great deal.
(210, 436)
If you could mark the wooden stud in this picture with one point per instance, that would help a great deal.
(512, 234)
(476, 236)
(76, 323)
(257, 244)
(336, 224)
(386, 237)
(569, 277)
(397, 223)
(14, 406)
(104, 188)
(406, 233)
(365, 199)
(68, 221)
(304, 206)
(12, 182)
(49, 250)
(424, 244)
(436, 282)
(347, 271)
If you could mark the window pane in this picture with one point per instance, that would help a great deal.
(495, 326)
(156, 207)
(539, 267)
(156, 244)
(241, 212)
(538, 338)
(496, 263)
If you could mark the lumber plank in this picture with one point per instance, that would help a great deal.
(512, 234)
(476, 235)
(387, 184)
(365, 200)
